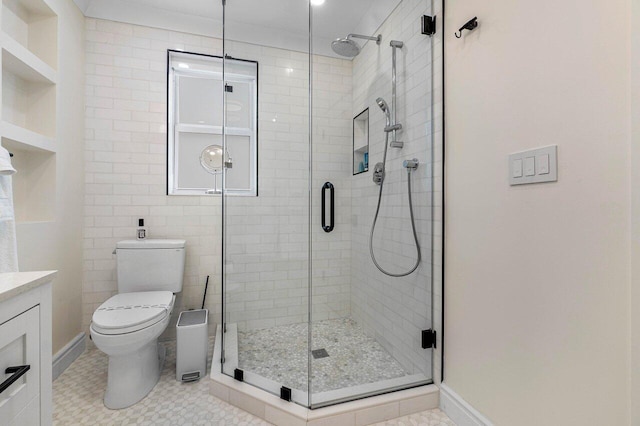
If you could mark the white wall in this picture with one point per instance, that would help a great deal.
(57, 244)
(267, 235)
(395, 310)
(537, 276)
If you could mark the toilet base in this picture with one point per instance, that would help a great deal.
(131, 377)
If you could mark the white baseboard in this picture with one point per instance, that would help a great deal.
(459, 410)
(65, 356)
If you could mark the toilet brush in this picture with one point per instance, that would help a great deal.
(206, 285)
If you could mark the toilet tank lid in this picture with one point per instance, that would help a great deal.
(151, 244)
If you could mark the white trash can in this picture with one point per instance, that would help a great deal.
(192, 345)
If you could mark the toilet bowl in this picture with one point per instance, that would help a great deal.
(126, 328)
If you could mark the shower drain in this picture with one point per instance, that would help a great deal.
(319, 353)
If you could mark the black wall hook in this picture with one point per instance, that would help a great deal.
(470, 25)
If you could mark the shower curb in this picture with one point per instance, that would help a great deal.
(364, 411)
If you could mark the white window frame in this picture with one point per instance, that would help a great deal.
(174, 128)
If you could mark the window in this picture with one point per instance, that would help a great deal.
(197, 155)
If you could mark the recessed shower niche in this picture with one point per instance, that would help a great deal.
(361, 142)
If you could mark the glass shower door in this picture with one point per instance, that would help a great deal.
(266, 229)
(366, 329)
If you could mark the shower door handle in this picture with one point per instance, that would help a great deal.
(330, 187)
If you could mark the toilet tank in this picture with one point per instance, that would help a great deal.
(150, 265)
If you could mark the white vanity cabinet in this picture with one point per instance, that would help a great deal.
(25, 348)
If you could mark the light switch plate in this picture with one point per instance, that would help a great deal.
(535, 166)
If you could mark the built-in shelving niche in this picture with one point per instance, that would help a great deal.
(29, 43)
(33, 25)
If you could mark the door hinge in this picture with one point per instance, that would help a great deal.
(238, 375)
(228, 88)
(285, 393)
(428, 339)
(428, 25)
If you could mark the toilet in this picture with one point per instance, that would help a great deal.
(127, 326)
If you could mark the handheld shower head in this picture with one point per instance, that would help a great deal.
(385, 108)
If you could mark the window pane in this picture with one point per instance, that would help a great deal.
(192, 174)
(239, 176)
(200, 101)
(239, 112)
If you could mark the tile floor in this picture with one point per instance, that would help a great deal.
(78, 392)
(280, 354)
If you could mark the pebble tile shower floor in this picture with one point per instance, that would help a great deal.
(78, 392)
(280, 354)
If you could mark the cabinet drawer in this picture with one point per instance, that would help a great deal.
(20, 345)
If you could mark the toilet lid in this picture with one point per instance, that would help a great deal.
(129, 312)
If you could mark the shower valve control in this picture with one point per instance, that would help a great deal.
(378, 173)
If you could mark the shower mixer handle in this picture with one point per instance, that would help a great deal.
(378, 173)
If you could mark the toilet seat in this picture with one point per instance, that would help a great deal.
(130, 312)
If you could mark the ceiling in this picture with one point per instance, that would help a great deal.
(277, 23)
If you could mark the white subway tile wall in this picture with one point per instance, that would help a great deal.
(125, 155)
(267, 236)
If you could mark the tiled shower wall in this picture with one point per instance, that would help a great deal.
(395, 310)
(125, 155)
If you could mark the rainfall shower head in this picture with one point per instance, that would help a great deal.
(345, 47)
(349, 48)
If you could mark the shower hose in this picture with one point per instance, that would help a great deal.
(413, 222)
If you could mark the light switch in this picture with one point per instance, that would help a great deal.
(517, 168)
(534, 166)
(530, 166)
(542, 162)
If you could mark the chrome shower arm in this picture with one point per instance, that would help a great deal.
(377, 39)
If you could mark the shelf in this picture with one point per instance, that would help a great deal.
(362, 149)
(18, 60)
(17, 137)
(34, 26)
(37, 9)
(29, 43)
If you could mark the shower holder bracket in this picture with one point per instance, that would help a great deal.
(428, 339)
(397, 144)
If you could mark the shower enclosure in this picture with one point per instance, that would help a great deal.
(306, 314)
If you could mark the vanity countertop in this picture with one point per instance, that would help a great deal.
(14, 283)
